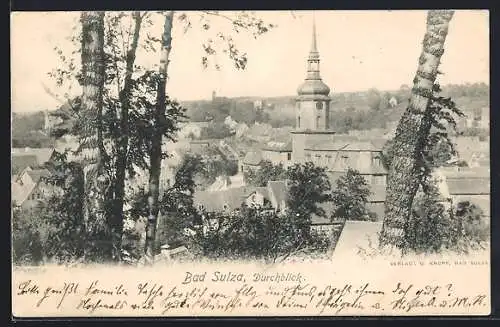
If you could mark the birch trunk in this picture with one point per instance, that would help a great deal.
(156, 142)
(122, 153)
(404, 173)
(97, 182)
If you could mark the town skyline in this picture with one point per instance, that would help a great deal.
(345, 57)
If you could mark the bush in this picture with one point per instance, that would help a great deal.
(254, 234)
(433, 228)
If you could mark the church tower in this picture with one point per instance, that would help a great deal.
(312, 110)
(313, 101)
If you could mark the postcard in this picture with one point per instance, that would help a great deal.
(250, 163)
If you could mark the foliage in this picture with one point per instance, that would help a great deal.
(254, 233)
(215, 131)
(309, 186)
(266, 172)
(438, 148)
(430, 228)
(53, 229)
(350, 197)
(476, 228)
(433, 228)
(177, 211)
(28, 235)
(374, 99)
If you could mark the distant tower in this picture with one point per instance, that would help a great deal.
(313, 101)
(312, 111)
(47, 122)
(214, 95)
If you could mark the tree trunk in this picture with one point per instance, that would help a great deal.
(97, 182)
(122, 153)
(156, 142)
(412, 131)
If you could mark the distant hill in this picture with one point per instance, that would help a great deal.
(279, 111)
(350, 110)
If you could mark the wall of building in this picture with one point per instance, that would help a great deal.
(276, 157)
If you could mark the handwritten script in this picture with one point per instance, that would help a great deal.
(224, 293)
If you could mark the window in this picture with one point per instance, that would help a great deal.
(298, 122)
(344, 160)
(318, 121)
(328, 160)
(289, 156)
(319, 105)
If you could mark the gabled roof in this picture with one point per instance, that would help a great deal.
(21, 161)
(42, 155)
(279, 190)
(253, 158)
(37, 174)
(469, 186)
(216, 200)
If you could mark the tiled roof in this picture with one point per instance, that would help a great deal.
(466, 172)
(348, 144)
(468, 186)
(253, 158)
(36, 174)
(215, 201)
(42, 154)
(278, 190)
(278, 146)
(20, 161)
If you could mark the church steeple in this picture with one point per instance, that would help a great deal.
(314, 48)
(313, 101)
(313, 60)
(313, 83)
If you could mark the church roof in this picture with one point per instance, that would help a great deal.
(313, 87)
(346, 145)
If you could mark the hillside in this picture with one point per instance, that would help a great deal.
(349, 110)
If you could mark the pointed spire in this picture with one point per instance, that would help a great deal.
(314, 48)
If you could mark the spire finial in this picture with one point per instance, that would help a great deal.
(313, 45)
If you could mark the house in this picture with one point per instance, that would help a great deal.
(226, 182)
(42, 155)
(278, 153)
(393, 102)
(252, 160)
(230, 199)
(468, 184)
(30, 187)
(20, 162)
(337, 157)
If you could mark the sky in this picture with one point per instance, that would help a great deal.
(359, 50)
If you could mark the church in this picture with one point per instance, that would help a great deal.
(313, 140)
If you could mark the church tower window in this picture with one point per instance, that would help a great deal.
(298, 122)
(319, 105)
(318, 121)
